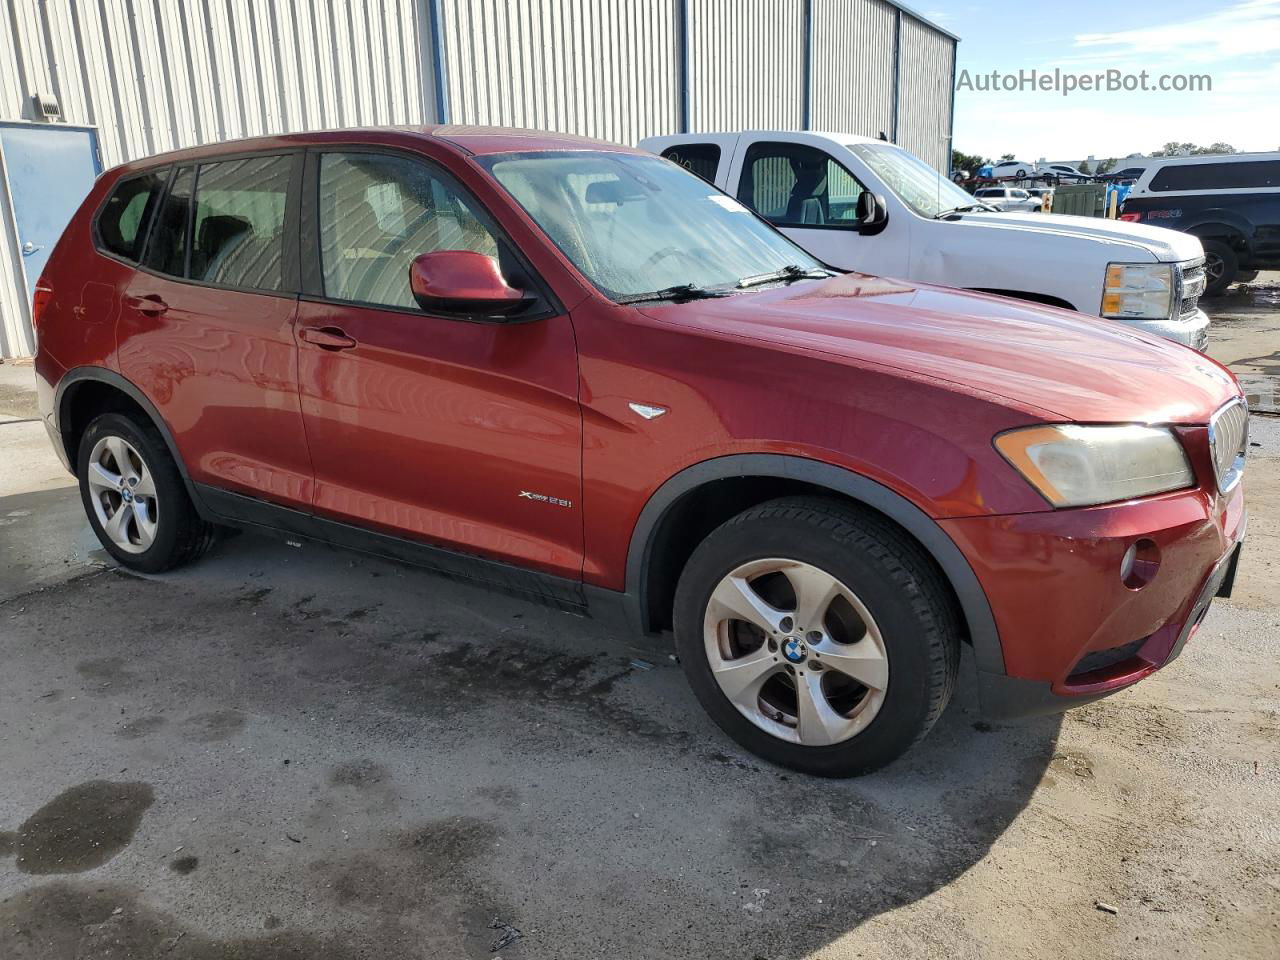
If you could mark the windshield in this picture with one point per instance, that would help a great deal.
(915, 183)
(636, 224)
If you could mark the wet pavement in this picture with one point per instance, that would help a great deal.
(1245, 335)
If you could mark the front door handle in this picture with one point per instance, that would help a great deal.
(152, 305)
(327, 338)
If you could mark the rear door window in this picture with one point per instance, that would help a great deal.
(122, 224)
(793, 185)
(700, 158)
(237, 236)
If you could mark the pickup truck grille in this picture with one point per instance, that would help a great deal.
(1228, 442)
(1191, 286)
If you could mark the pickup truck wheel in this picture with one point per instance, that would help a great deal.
(818, 636)
(135, 498)
(1220, 267)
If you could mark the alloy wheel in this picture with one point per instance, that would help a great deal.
(123, 494)
(795, 651)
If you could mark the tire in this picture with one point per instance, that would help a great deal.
(1220, 266)
(893, 621)
(1021, 173)
(157, 527)
(1246, 276)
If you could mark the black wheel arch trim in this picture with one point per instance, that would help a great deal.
(981, 624)
(90, 374)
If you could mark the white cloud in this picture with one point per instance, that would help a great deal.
(1247, 29)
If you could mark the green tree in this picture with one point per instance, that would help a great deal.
(1005, 156)
(1175, 149)
(969, 162)
(1105, 166)
(1084, 167)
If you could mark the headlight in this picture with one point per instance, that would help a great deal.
(1076, 466)
(1138, 290)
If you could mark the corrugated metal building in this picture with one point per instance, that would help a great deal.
(143, 76)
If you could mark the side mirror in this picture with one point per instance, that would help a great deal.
(871, 213)
(463, 282)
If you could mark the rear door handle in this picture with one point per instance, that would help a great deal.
(152, 304)
(327, 338)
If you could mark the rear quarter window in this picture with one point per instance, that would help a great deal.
(702, 159)
(122, 223)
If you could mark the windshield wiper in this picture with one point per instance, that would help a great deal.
(677, 294)
(966, 208)
(788, 274)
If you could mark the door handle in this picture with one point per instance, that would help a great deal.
(327, 338)
(151, 305)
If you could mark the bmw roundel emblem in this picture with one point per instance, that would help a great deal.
(794, 650)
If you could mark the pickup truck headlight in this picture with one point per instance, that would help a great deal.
(1138, 291)
(1076, 466)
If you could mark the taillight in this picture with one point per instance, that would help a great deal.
(39, 300)
(1131, 217)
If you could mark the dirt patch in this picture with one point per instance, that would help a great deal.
(358, 773)
(212, 727)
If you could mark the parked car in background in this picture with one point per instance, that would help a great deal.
(576, 372)
(1013, 168)
(1063, 173)
(1007, 198)
(1231, 203)
(867, 205)
(1125, 175)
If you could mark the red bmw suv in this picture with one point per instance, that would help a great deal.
(579, 373)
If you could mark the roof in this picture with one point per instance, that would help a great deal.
(475, 140)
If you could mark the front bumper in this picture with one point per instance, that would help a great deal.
(1071, 629)
(1192, 331)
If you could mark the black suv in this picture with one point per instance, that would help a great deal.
(1232, 203)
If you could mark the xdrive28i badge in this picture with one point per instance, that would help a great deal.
(543, 498)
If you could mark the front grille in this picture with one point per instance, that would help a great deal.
(1190, 286)
(1228, 441)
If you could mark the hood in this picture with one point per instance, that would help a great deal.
(1162, 244)
(1043, 359)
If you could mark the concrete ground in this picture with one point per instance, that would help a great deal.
(297, 753)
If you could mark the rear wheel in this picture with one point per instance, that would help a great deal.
(134, 496)
(817, 635)
(1221, 265)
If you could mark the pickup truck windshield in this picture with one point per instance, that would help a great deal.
(635, 224)
(915, 183)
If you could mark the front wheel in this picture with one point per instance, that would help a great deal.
(1220, 267)
(817, 635)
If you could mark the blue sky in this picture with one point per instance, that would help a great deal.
(1236, 43)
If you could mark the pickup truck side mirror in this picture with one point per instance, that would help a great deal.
(464, 283)
(872, 216)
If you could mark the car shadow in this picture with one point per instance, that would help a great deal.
(464, 765)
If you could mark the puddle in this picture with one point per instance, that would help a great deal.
(81, 828)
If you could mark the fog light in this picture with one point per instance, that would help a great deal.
(1139, 564)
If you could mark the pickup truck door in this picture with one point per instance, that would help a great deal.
(811, 196)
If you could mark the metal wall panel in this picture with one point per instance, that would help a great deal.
(156, 75)
(925, 92)
(853, 66)
(597, 68)
(746, 64)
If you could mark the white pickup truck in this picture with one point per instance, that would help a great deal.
(870, 206)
